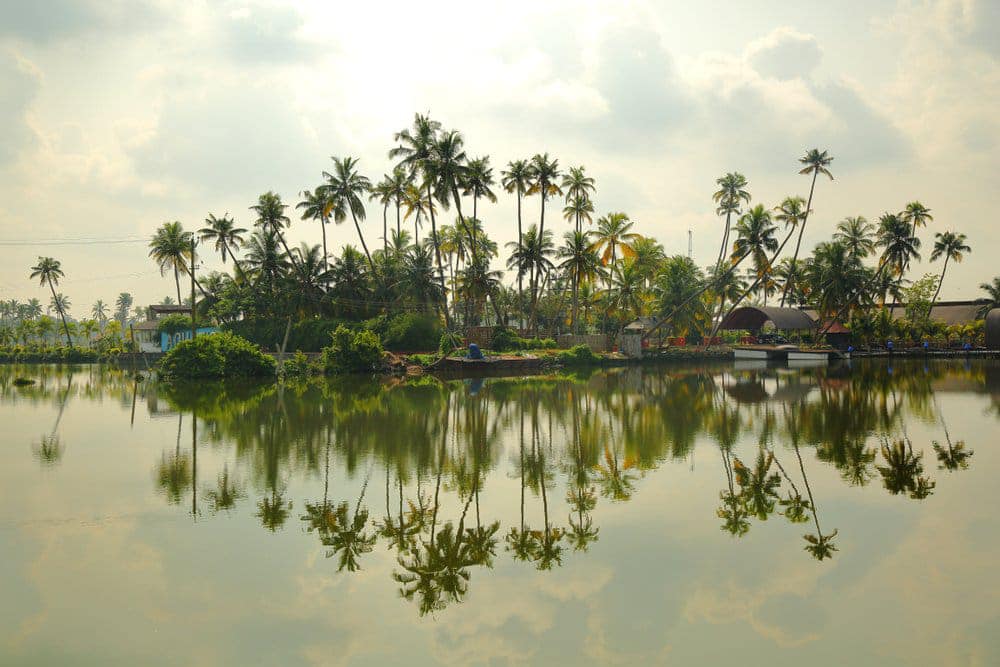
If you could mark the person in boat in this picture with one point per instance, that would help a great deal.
(474, 352)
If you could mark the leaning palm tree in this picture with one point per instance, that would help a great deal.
(816, 163)
(224, 233)
(346, 187)
(949, 245)
(729, 197)
(517, 178)
(313, 207)
(171, 250)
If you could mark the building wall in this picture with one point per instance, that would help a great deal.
(168, 341)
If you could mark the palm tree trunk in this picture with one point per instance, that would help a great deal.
(725, 242)
(576, 299)
(177, 282)
(326, 264)
(937, 292)
(364, 245)
(802, 229)
(385, 226)
(520, 248)
(398, 230)
(461, 218)
(437, 254)
(62, 315)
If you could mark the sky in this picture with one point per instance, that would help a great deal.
(119, 115)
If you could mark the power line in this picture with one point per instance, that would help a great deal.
(81, 241)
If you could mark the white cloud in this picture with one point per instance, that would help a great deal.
(785, 53)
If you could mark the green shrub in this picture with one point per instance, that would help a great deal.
(578, 355)
(412, 332)
(297, 365)
(172, 324)
(352, 352)
(217, 355)
(448, 343)
(309, 335)
(505, 339)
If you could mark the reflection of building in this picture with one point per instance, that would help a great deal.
(147, 333)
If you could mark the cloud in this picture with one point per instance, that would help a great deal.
(784, 53)
(57, 19)
(265, 34)
(230, 139)
(19, 83)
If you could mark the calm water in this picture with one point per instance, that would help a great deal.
(683, 515)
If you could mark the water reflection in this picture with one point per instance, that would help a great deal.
(571, 442)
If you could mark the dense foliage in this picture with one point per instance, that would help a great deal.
(218, 355)
(352, 351)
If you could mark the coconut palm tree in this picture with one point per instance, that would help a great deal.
(815, 162)
(100, 311)
(346, 187)
(544, 175)
(414, 151)
(581, 263)
(449, 170)
(418, 206)
(916, 215)
(313, 207)
(171, 250)
(613, 234)
(479, 182)
(857, 234)
(271, 216)
(49, 271)
(899, 246)
(949, 245)
(224, 234)
(531, 257)
(578, 188)
(626, 292)
(123, 304)
(381, 192)
(732, 193)
(517, 178)
(397, 184)
(992, 294)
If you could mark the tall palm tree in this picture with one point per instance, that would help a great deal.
(449, 170)
(815, 162)
(517, 178)
(544, 175)
(418, 206)
(224, 233)
(531, 257)
(732, 193)
(581, 263)
(949, 245)
(313, 207)
(381, 192)
(916, 215)
(397, 183)
(271, 216)
(100, 312)
(171, 250)
(899, 246)
(578, 188)
(414, 151)
(49, 271)
(346, 187)
(857, 234)
(123, 304)
(479, 182)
